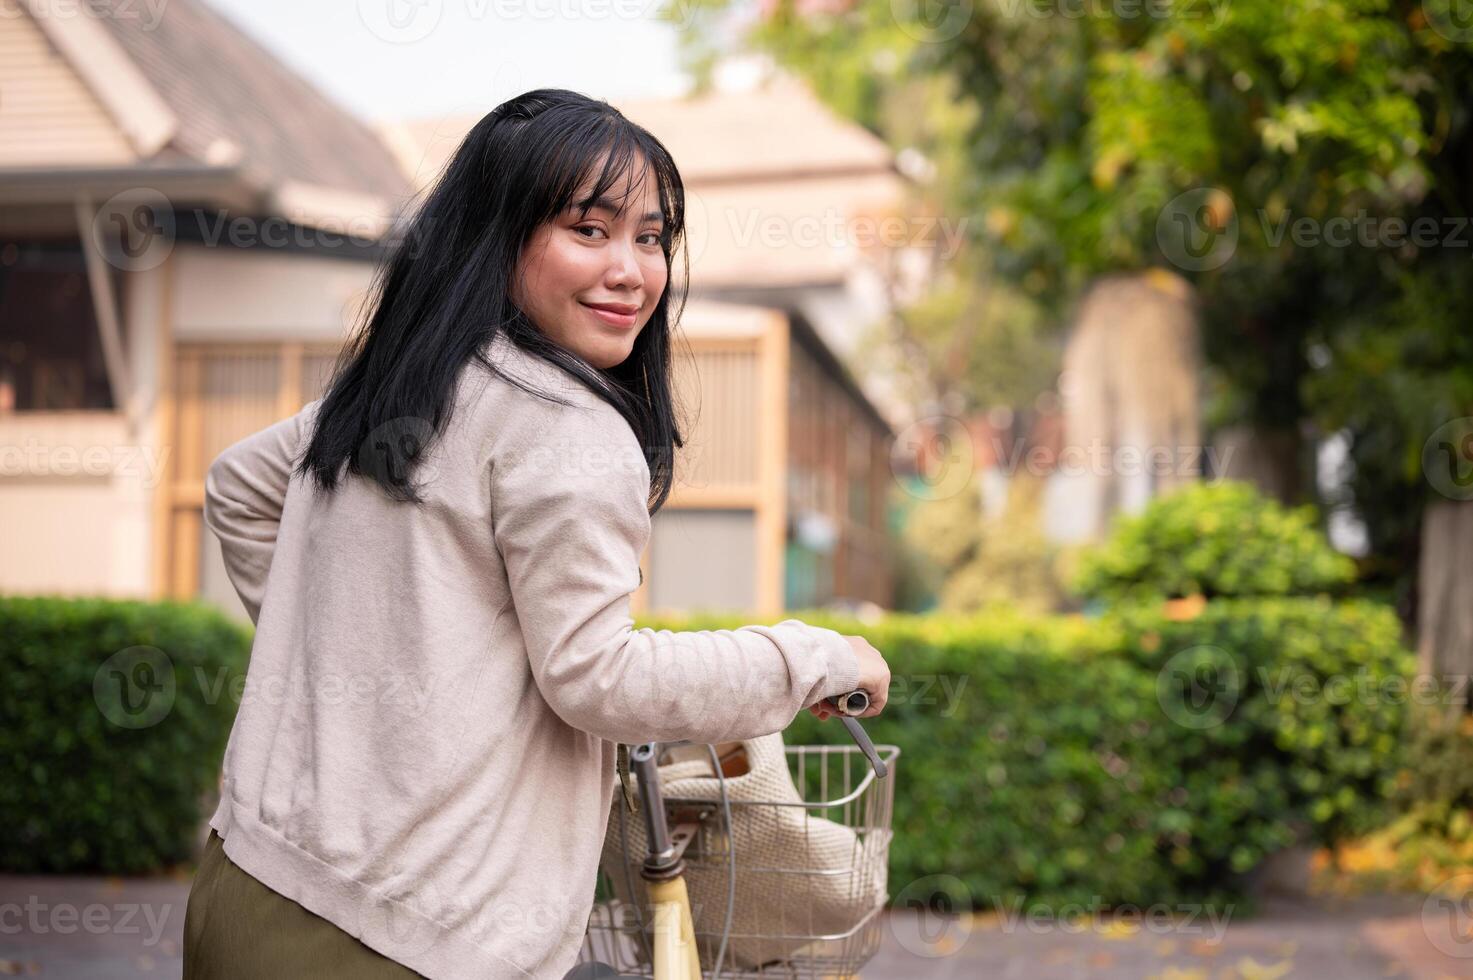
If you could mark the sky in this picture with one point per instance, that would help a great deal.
(403, 59)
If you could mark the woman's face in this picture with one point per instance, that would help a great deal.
(590, 283)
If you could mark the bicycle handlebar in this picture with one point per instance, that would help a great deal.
(854, 703)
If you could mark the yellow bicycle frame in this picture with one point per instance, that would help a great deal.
(675, 935)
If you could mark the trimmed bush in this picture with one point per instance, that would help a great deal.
(1028, 760)
(116, 717)
(1131, 758)
(1222, 539)
(1065, 760)
(1287, 716)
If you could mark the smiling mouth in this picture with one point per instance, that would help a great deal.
(614, 314)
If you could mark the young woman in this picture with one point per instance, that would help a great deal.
(438, 556)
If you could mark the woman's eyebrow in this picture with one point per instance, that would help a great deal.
(605, 204)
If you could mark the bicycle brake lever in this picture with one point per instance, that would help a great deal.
(865, 745)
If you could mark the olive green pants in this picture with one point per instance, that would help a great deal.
(235, 928)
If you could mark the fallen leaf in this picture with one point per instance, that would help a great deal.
(1252, 970)
(1205, 947)
(1118, 929)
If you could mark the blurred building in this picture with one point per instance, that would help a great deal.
(781, 493)
(185, 227)
(187, 232)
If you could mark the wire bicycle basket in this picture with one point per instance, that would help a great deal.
(791, 884)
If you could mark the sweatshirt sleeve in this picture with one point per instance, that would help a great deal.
(570, 520)
(245, 491)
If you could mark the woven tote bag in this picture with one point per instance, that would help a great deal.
(799, 874)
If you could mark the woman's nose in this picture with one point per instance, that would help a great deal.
(624, 266)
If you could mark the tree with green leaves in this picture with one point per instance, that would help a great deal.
(1308, 165)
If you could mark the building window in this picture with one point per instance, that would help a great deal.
(50, 352)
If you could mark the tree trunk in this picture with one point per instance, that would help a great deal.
(1271, 460)
(1132, 427)
(1445, 587)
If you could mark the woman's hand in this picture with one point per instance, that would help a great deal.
(874, 680)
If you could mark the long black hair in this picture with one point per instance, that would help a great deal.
(443, 292)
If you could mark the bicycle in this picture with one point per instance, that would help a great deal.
(684, 837)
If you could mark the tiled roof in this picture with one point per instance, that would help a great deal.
(779, 130)
(225, 89)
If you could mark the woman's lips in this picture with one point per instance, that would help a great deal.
(613, 317)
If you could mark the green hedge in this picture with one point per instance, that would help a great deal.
(1052, 759)
(1306, 731)
(1071, 765)
(1214, 539)
(116, 716)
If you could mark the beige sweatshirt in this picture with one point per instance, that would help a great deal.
(424, 752)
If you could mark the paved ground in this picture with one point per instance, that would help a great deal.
(1370, 938)
(91, 928)
(119, 929)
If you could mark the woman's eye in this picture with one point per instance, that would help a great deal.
(653, 236)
